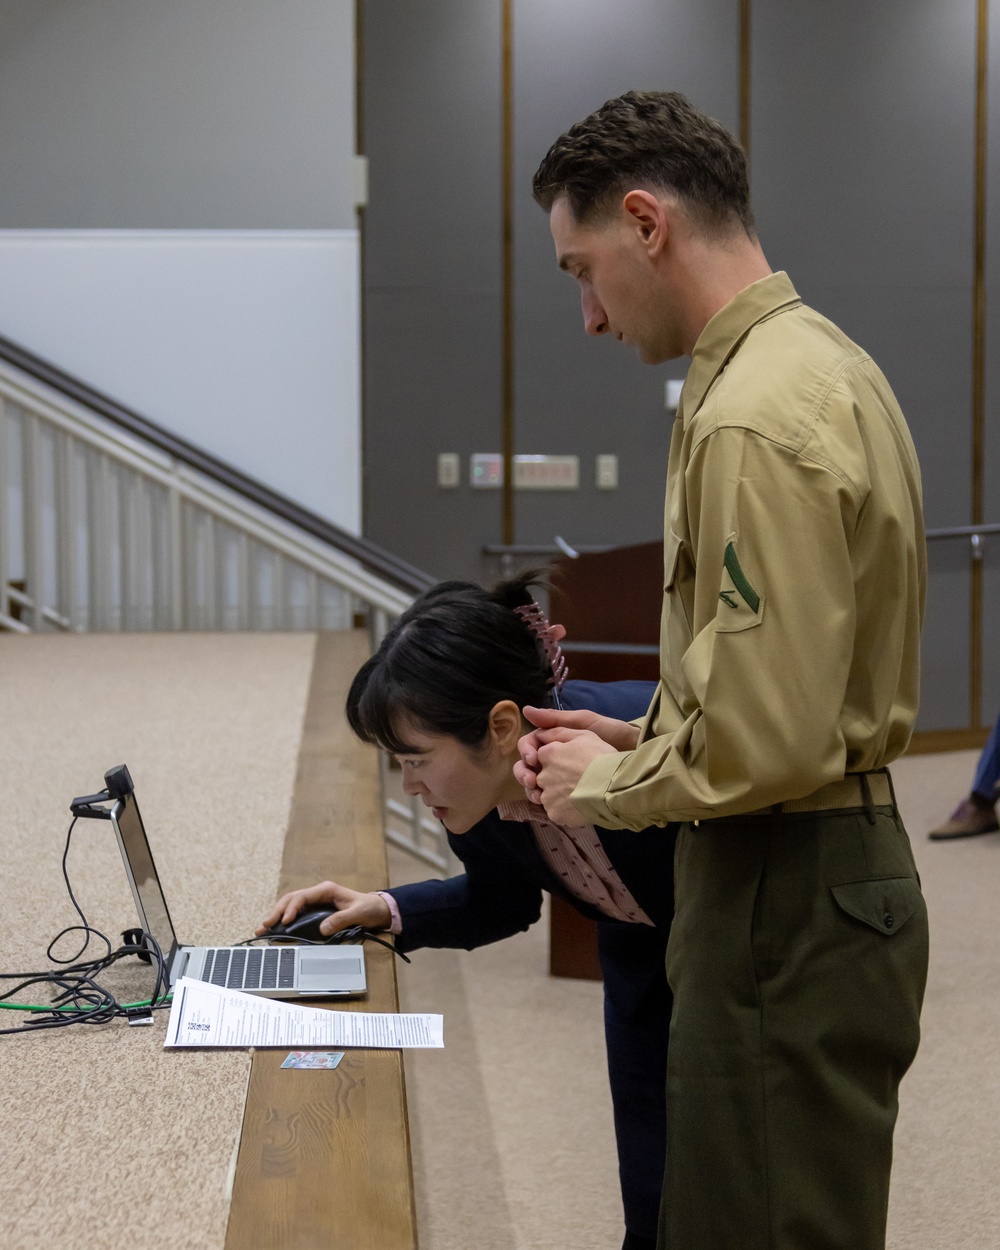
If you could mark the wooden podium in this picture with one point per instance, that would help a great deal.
(609, 597)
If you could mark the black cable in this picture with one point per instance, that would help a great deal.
(355, 935)
(79, 911)
(78, 998)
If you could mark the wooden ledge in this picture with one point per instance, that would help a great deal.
(324, 1156)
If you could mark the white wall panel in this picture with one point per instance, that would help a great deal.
(243, 342)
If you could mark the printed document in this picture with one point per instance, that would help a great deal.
(210, 1015)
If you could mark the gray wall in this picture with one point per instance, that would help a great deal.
(863, 164)
(218, 114)
(991, 503)
(432, 254)
(575, 394)
(862, 146)
(227, 114)
(177, 221)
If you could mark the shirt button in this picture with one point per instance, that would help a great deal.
(888, 920)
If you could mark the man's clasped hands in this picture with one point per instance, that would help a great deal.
(556, 753)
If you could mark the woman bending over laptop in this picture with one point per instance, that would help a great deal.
(444, 695)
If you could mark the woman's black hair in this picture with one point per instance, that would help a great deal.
(453, 655)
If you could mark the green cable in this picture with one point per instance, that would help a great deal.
(123, 1006)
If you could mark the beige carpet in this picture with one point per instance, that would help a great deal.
(109, 1142)
(512, 1136)
(946, 1185)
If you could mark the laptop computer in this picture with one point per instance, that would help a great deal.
(272, 971)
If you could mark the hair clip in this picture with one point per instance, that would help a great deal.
(537, 623)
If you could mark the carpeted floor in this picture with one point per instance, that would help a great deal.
(108, 1141)
(945, 1193)
(512, 1136)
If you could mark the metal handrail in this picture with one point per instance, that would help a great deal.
(559, 546)
(548, 549)
(111, 524)
(374, 558)
(963, 531)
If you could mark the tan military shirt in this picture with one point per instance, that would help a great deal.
(794, 575)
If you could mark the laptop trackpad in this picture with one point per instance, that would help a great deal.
(342, 969)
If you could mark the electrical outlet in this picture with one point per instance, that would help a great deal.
(607, 472)
(449, 472)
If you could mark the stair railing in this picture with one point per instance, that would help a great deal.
(108, 522)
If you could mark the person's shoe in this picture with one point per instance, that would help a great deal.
(972, 816)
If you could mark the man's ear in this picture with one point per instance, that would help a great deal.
(505, 725)
(647, 214)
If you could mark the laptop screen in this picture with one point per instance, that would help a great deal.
(149, 900)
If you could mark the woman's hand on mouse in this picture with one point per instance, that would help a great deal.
(353, 908)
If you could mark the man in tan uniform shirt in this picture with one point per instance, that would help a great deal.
(793, 594)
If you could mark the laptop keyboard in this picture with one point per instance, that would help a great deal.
(251, 968)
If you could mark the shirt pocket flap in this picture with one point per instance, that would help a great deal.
(885, 905)
(671, 557)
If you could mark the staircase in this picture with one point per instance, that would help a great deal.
(109, 522)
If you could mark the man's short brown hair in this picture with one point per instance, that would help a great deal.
(652, 139)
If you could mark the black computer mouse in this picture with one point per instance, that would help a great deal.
(305, 925)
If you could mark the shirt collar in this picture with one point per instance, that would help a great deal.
(522, 809)
(726, 330)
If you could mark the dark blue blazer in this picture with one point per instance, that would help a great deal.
(500, 893)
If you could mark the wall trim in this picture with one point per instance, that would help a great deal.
(186, 236)
(978, 359)
(507, 417)
(744, 77)
(933, 741)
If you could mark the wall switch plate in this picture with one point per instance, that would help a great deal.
(449, 471)
(486, 469)
(607, 473)
(672, 395)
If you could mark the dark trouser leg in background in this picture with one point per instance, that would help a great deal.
(636, 1022)
(798, 958)
(988, 768)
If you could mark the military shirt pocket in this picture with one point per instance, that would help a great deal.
(884, 904)
(675, 623)
(671, 559)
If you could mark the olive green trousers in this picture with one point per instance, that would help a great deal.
(797, 959)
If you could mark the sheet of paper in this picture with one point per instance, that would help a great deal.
(209, 1015)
